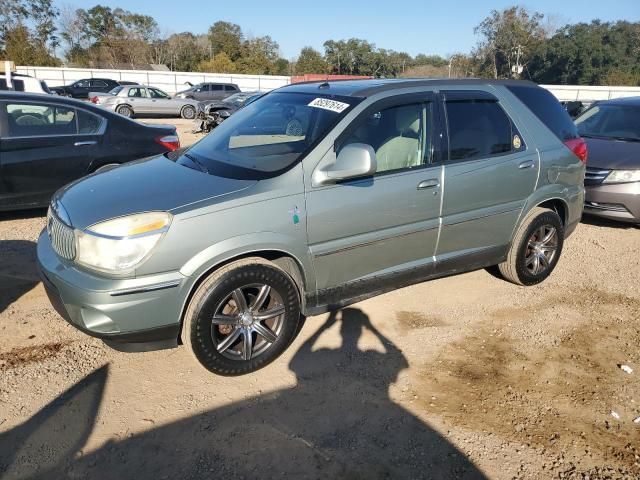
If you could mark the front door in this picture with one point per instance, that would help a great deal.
(366, 234)
(44, 147)
(138, 98)
(161, 102)
(491, 170)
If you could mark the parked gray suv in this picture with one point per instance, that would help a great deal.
(209, 91)
(311, 198)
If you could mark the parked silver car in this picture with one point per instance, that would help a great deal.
(313, 197)
(140, 100)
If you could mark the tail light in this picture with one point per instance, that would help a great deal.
(94, 99)
(579, 147)
(170, 142)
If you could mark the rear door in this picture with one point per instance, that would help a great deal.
(138, 98)
(43, 147)
(491, 170)
(217, 92)
(99, 86)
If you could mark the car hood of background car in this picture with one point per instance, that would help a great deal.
(155, 184)
(613, 154)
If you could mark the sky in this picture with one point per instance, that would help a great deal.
(413, 26)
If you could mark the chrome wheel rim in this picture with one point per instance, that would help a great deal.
(189, 113)
(247, 322)
(542, 248)
(124, 111)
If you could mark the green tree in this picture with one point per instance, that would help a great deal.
(226, 37)
(310, 61)
(220, 63)
(30, 20)
(508, 38)
(259, 56)
(25, 49)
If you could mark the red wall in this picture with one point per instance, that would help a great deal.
(315, 77)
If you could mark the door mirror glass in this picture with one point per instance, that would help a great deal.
(354, 160)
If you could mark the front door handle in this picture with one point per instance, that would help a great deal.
(431, 183)
(83, 144)
(527, 164)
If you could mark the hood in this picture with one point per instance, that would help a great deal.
(155, 184)
(613, 154)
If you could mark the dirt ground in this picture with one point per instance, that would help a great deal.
(464, 377)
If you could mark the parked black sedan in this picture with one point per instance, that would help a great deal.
(81, 88)
(47, 142)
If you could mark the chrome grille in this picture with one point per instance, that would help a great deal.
(62, 237)
(595, 176)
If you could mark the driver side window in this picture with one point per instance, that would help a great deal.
(400, 136)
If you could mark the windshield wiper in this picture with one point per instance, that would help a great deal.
(200, 165)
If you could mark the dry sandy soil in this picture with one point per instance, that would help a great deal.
(464, 377)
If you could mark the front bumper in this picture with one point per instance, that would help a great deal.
(615, 201)
(128, 314)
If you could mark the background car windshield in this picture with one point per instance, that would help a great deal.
(610, 121)
(268, 135)
(116, 90)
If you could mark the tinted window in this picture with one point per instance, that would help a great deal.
(230, 88)
(3, 84)
(31, 120)
(216, 88)
(81, 84)
(18, 85)
(477, 129)
(98, 83)
(88, 123)
(397, 134)
(610, 121)
(548, 109)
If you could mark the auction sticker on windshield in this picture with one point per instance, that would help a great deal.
(331, 105)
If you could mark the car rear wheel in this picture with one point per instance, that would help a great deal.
(125, 111)
(242, 317)
(536, 248)
(188, 112)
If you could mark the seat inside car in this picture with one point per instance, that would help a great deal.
(403, 149)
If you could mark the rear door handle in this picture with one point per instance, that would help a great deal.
(83, 144)
(527, 164)
(431, 183)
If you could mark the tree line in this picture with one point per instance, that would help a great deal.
(513, 43)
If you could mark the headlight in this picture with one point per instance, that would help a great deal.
(121, 243)
(622, 176)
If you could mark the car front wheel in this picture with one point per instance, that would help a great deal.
(536, 248)
(242, 317)
(188, 112)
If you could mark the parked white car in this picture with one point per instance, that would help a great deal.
(23, 83)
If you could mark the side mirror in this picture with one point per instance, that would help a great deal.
(354, 160)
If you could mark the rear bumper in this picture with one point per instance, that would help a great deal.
(620, 202)
(128, 314)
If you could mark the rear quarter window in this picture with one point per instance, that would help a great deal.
(548, 109)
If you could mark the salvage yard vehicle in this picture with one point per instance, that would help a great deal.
(612, 181)
(208, 91)
(311, 198)
(213, 113)
(139, 100)
(81, 88)
(49, 141)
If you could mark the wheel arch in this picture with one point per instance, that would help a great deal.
(281, 258)
(557, 205)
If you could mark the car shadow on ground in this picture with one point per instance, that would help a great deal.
(337, 422)
(18, 272)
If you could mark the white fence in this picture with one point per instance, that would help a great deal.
(589, 94)
(170, 82)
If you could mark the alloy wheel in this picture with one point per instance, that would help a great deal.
(247, 322)
(541, 249)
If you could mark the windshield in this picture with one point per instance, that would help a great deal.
(620, 122)
(116, 90)
(237, 99)
(268, 136)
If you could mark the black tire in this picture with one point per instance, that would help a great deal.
(204, 338)
(125, 111)
(527, 245)
(188, 112)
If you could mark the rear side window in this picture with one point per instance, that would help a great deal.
(477, 129)
(216, 88)
(137, 92)
(230, 88)
(18, 85)
(88, 123)
(32, 120)
(548, 109)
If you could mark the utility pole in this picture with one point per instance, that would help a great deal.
(516, 70)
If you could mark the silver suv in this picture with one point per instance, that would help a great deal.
(311, 198)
